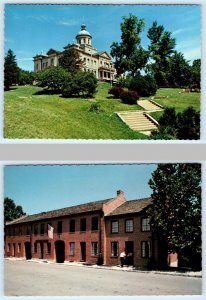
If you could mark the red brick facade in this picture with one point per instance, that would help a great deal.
(89, 238)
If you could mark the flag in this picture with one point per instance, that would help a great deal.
(50, 231)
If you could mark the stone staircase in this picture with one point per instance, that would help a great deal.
(138, 120)
(149, 105)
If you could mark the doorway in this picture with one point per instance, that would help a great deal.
(60, 251)
(82, 251)
(28, 250)
(41, 250)
(129, 249)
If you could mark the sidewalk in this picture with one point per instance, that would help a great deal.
(114, 268)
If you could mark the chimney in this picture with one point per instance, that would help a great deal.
(119, 192)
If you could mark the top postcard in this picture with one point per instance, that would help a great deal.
(102, 72)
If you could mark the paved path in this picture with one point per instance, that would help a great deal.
(138, 120)
(24, 278)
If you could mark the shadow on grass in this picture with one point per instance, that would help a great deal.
(46, 92)
(10, 89)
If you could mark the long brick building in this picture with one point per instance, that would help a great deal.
(87, 233)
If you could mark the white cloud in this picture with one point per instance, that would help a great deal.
(69, 23)
(182, 30)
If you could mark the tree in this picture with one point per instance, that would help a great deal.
(11, 71)
(53, 78)
(145, 86)
(176, 210)
(195, 73)
(70, 60)
(80, 84)
(179, 73)
(11, 211)
(183, 125)
(160, 48)
(129, 55)
(25, 77)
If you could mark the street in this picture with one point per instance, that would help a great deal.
(26, 278)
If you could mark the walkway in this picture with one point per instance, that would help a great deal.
(140, 120)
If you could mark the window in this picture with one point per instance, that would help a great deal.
(20, 230)
(114, 249)
(129, 225)
(19, 247)
(145, 224)
(94, 248)
(72, 225)
(8, 247)
(114, 226)
(94, 223)
(83, 224)
(35, 247)
(71, 248)
(59, 227)
(28, 230)
(105, 74)
(42, 229)
(145, 249)
(52, 61)
(48, 248)
(35, 229)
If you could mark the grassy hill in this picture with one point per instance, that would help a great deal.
(31, 113)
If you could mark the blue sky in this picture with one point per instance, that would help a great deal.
(47, 187)
(30, 29)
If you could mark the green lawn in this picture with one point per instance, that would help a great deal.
(30, 113)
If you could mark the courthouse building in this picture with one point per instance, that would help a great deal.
(99, 63)
(88, 233)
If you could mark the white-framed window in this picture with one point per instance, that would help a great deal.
(129, 226)
(145, 226)
(114, 226)
(71, 248)
(114, 249)
(145, 249)
(94, 248)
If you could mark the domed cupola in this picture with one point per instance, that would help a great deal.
(83, 36)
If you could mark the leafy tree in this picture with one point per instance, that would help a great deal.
(25, 77)
(188, 124)
(183, 125)
(145, 86)
(129, 55)
(176, 211)
(80, 84)
(11, 211)
(70, 60)
(179, 74)
(11, 71)
(195, 73)
(161, 47)
(52, 79)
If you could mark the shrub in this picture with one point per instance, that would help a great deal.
(116, 91)
(129, 97)
(52, 78)
(124, 82)
(80, 84)
(95, 107)
(145, 86)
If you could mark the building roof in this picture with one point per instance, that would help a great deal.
(72, 210)
(83, 31)
(132, 206)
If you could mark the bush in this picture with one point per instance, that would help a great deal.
(129, 97)
(95, 107)
(145, 86)
(81, 84)
(124, 82)
(116, 91)
(53, 78)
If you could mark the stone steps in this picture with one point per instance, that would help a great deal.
(137, 121)
(148, 105)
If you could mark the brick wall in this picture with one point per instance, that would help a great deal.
(137, 236)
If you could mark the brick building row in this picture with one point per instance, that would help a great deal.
(95, 232)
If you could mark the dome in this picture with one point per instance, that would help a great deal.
(83, 31)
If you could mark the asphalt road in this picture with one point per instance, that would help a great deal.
(24, 278)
